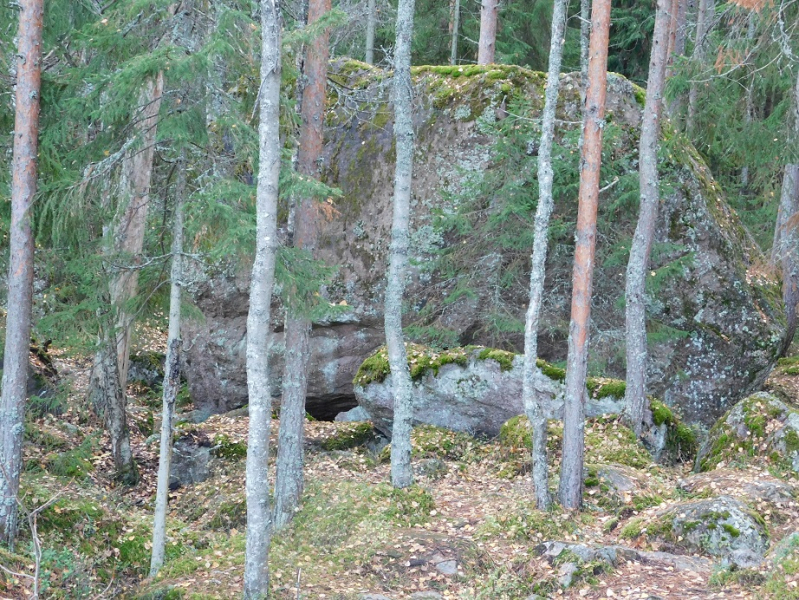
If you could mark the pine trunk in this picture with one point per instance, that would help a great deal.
(20, 270)
(401, 471)
(532, 403)
(171, 376)
(259, 515)
(371, 25)
(571, 472)
(703, 24)
(635, 308)
(454, 30)
(124, 241)
(488, 32)
(289, 477)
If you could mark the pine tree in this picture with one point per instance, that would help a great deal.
(20, 272)
(635, 308)
(401, 471)
(571, 471)
(289, 476)
(487, 46)
(259, 517)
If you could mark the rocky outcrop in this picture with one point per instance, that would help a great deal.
(760, 427)
(471, 390)
(715, 320)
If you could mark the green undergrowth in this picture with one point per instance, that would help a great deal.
(681, 440)
(429, 441)
(351, 435)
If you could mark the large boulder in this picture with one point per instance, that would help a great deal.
(474, 390)
(714, 319)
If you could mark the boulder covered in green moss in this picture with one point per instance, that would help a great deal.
(471, 389)
(715, 323)
(758, 428)
(722, 527)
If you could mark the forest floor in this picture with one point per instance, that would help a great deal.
(467, 529)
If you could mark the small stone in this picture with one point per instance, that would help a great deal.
(566, 574)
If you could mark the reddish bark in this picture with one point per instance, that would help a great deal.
(20, 272)
(571, 476)
(488, 32)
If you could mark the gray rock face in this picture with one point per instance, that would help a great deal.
(722, 527)
(476, 398)
(720, 321)
(190, 462)
(215, 353)
(761, 424)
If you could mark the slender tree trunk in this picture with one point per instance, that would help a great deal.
(487, 45)
(571, 471)
(124, 240)
(750, 91)
(259, 515)
(674, 10)
(401, 471)
(585, 37)
(635, 308)
(454, 30)
(371, 25)
(289, 476)
(171, 375)
(787, 233)
(532, 403)
(703, 23)
(24, 176)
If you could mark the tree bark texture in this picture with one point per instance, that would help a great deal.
(571, 472)
(532, 404)
(454, 30)
(585, 37)
(787, 231)
(487, 44)
(24, 177)
(124, 242)
(401, 472)
(171, 376)
(635, 293)
(259, 515)
(289, 475)
(704, 22)
(371, 25)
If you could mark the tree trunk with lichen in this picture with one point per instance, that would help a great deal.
(532, 404)
(259, 515)
(171, 376)
(401, 471)
(570, 491)
(24, 177)
(635, 306)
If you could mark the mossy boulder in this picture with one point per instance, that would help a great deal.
(722, 526)
(714, 318)
(471, 389)
(758, 428)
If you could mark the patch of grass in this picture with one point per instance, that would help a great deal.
(229, 515)
(75, 463)
(526, 523)
(224, 447)
(349, 436)
(633, 529)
